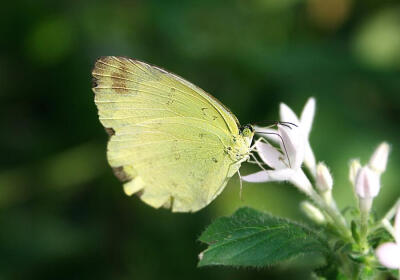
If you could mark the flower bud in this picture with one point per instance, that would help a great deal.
(312, 212)
(355, 166)
(367, 183)
(379, 158)
(324, 181)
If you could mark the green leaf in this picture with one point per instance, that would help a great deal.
(253, 238)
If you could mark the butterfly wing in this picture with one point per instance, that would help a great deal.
(168, 137)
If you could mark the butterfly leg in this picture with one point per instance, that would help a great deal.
(241, 185)
(253, 147)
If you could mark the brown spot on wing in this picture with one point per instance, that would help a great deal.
(94, 82)
(110, 131)
(116, 74)
(118, 84)
(140, 193)
(120, 174)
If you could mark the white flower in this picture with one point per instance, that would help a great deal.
(304, 125)
(286, 162)
(367, 186)
(366, 179)
(389, 253)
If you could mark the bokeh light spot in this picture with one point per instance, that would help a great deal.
(328, 14)
(377, 42)
(50, 41)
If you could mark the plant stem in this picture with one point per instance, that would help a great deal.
(398, 275)
(390, 214)
(356, 272)
(385, 221)
(333, 213)
(365, 205)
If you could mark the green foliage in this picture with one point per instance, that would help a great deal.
(354, 231)
(253, 238)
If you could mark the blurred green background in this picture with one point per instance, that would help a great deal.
(63, 215)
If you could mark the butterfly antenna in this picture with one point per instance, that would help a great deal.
(283, 142)
(267, 124)
(270, 124)
(287, 124)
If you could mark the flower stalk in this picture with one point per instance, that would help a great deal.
(339, 221)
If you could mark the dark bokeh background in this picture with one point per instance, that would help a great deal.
(63, 215)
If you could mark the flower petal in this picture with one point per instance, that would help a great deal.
(269, 176)
(309, 158)
(293, 144)
(367, 183)
(296, 177)
(270, 155)
(389, 255)
(287, 115)
(258, 177)
(307, 116)
(379, 158)
(300, 180)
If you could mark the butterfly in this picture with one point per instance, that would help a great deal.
(170, 142)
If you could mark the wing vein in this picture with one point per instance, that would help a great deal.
(197, 95)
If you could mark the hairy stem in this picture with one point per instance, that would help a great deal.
(365, 205)
(334, 214)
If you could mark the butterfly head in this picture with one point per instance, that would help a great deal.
(247, 131)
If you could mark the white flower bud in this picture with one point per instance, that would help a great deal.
(324, 181)
(367, 183)
(379, 158)
(355, 166)
(312, 212)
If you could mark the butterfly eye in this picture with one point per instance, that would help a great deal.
(247, 130)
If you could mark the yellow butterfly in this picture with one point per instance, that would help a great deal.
(171, 142)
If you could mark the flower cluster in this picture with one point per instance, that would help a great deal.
(294, 149)
(286, 149)
(366, 179)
